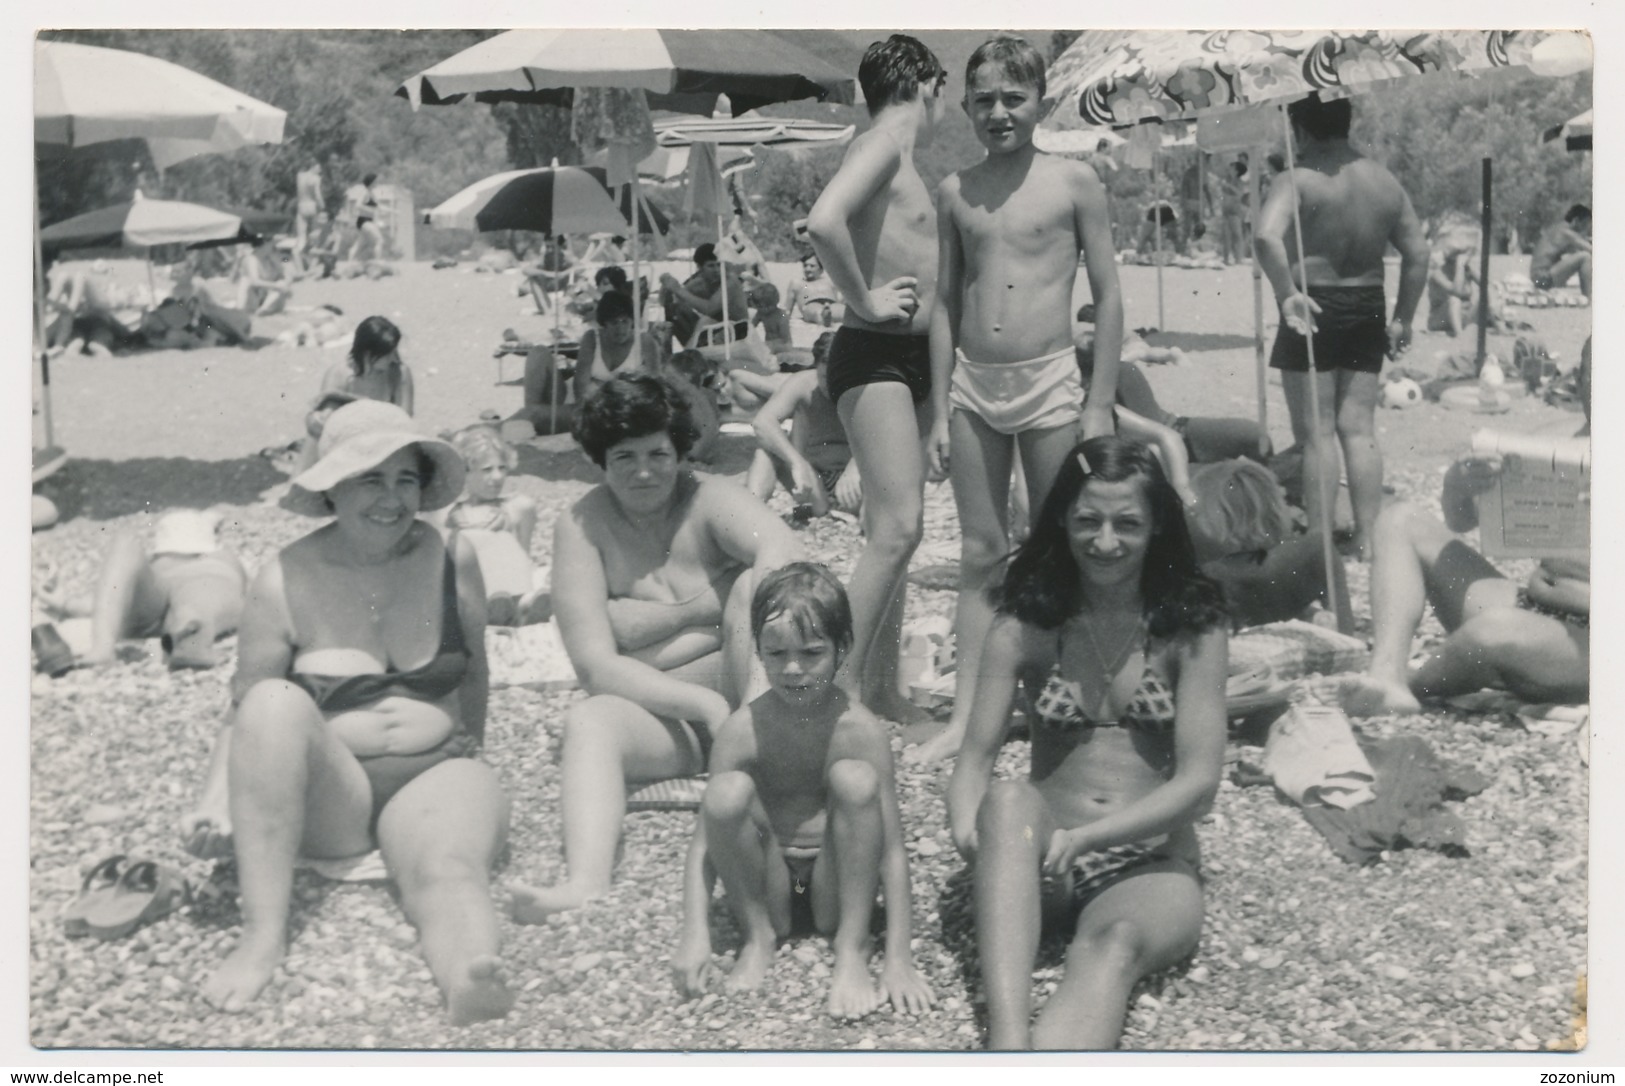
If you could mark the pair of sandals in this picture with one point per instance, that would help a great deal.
(119, 895)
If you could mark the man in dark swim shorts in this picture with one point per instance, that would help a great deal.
(1350, 210)
(861, 357)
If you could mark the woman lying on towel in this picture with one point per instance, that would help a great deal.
(1120, 643)
(358, 706)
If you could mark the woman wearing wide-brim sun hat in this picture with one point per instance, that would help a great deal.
(359, 704)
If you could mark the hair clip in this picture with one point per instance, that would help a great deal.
(1083, 462)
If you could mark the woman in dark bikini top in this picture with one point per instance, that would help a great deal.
(360, 700)
(1119, 640)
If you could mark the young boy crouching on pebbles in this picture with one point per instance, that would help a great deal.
(802, 807)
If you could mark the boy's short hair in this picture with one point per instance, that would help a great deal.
(811, 597)
(630, 405)
(704, 254)
(1576, 211)
(1011, 54)
(612, 306)
(765, 296)
(471, 442)
(820, 348)
(892, 70)
(615, 275)
(693, 367)
(1322, 120)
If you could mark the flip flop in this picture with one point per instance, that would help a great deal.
(145, 891)
(99, 882)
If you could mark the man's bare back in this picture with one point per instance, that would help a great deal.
(896, 236)
(1019, 244)
(1351, 208)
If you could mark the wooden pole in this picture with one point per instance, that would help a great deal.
(41, 332)
(1484, 272)
(1322, 448)
(1156, 216)
(1258, 323)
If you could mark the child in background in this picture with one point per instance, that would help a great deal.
(500, 527)
(813, 461)
(1004, 371)
(801, 809)
(775, 322)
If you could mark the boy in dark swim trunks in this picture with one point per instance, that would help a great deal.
(874, 228)
(802, 803)
(1351, 210)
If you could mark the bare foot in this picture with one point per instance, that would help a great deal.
(897, 708)
(750, 968)
(533, 905)
(691, 966)
(244, 973)
(943, 745)
(851, 993)
(1366, 695)
(482, 996)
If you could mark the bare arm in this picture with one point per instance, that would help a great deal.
(1407, 237)
(1199, 738)
(871, 163)
(1269, 244)
(944, 330)
(691, 961)
(746, 529)
(581, 603)
(641, 623)
(407, 394)
(787, 397)
(1003, 656)
(1094, 226)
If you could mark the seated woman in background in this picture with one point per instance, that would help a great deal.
(614, 346)
(1120, 643)
(1242, 530)
(1453, 278)
(500, 527)
(373, 370)
(357, 708)
(262, 290)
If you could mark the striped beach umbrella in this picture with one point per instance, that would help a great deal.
(142, 223)
(551, 200)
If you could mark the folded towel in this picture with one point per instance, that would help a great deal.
(1313, 758)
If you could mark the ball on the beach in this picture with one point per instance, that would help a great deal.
(1401, 393)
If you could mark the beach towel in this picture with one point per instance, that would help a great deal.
(1294, 649)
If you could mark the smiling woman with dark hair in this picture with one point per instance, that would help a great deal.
(1119, 642)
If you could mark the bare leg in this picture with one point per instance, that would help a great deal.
(854, 835)
(129, 600)
(608, 741)
(1320, 467)
(292, 782)
(1147, 922)
(1356, 431)
(980, 472)
(893, 468)
(440, 836)
(1534, 656)
(887, 701)
(741, 846)
(1405, 542)
(1013, 829)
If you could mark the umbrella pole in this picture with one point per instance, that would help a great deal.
(553, 400)
(1156, 207)
(1484, 273)
(1258, 325)
(1322, 449)
(40, 326)
(727, 326)
(637, 276)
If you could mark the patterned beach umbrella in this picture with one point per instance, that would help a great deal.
(142, 223)
(682, 70)
(1180, 74)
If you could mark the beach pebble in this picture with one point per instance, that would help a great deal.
(586, 963)
(1522, 971)
(1396, 972)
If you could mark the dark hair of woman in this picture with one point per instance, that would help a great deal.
(1042, 585)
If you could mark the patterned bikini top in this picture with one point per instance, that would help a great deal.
(1059, 706)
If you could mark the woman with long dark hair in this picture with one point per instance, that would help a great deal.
(1120, 643)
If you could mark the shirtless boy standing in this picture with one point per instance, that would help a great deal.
(874, 228)
(802, 805)
(652, 576)
(1351, 210)
(1004, 370)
